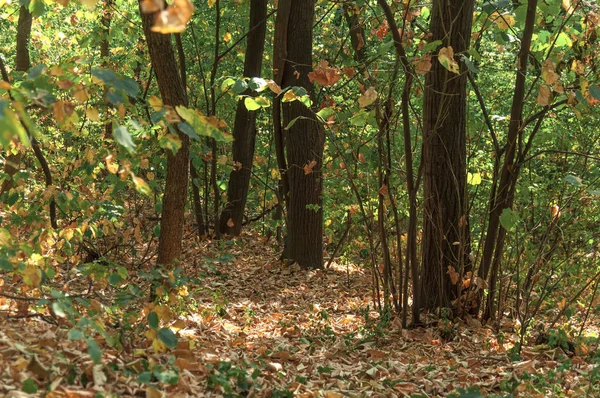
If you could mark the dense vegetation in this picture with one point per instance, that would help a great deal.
(300, 180)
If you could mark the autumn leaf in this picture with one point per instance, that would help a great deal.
(453, 275)
(367, 98)
(423, 65)
(324, 74)
(382, 30)
(308, 168)
(174, 18)
(544, 96)
(548, 73)
(446, 58)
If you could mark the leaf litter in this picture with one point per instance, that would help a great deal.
(252, 326)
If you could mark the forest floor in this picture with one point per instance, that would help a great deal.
(248, 326)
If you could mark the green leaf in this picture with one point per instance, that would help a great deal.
(509, 219)
(574, 180)
(202, 125)
(153, 320)
(469, 64)
(257, 84)
(595, 91)
(128, 85)
(251, 104)
(564, 40)
(239, 86)
(59, 309)
(94, 350)
(123, 137)
(9, 125)
(186, 129)
(75, 334)
(37, 7)
(227, 83)
(263, 102)
(325, 113)
(431, 46)
(36, 71)
(29, 386)
(106, 75)
(5, 265)
(167, 336)
(359, 119)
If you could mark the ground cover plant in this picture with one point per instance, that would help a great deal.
(299, 198)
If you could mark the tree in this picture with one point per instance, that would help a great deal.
(244, 130)
(445, 220)
(303, 134)
(173, 94)
(22, 63)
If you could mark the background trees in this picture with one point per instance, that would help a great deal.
(392, 116)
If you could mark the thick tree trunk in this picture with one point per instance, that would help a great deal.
(173, 94)
(244, 130)
(304, 141)
(445, 220)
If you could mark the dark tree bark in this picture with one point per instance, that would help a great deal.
(23, 61)
(304, 141)
(445, 220)
(244, 130)
(173, 94)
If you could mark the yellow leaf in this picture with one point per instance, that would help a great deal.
(211, 3)
(227, 37)
(5, 85)
(158, 346)
(81, 94)
(274, 87)
(473, 179)
(566, 4)
(367, 98)
(222, 160)
(446, 58)
(92, 114)
(111, 166)
(503, 21)
(89, 3)
(155, 103)
(32, 275)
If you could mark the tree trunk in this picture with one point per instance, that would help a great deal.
(23, 61)
(244, 130)
(173, 94)
(105, 20)
(445, 220)
(494, 239)
(304, 141)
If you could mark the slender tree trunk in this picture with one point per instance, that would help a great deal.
(105, 55)
(173, 94)
(23, 63)
(445, 220)
(494, 240)
(244, 130)
(304, 141)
